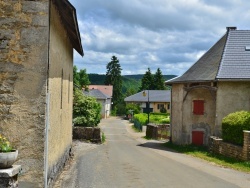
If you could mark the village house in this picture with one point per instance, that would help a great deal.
(37, 39)
(216, 85)
(103, 99)
(154, 100)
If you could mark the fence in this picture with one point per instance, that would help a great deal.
(230, 150)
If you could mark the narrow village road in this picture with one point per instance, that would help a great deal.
(126, 161)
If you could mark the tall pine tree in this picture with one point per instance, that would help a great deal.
(113, 77)
(158, 81)
(147, 81)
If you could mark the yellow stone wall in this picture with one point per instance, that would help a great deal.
(61, 91)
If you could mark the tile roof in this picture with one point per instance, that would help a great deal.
(96, 93)
(154, 96)
(108, 90)
(205, 69)
(226, 59)
(235, 63)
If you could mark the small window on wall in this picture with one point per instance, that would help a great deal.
(198, 107)
(160, 106)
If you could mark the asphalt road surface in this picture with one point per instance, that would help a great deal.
(128, 161)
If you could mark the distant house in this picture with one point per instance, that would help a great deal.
(37, 39)
(157, 99)
(108, 90)
(103, 99)
(216, 85)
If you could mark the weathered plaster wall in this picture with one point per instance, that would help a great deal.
(231, 97)
(61, 94)
(204, 122)
(183, 120)
(23, 70)
(176, 115)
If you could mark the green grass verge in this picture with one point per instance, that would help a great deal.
(202, 153)
(103, 137)
(135, 129)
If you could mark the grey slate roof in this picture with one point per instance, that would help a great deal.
(96, 94)
(235, 63)
(227, 59)
(154, 96)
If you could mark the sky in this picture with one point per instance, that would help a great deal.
(167, 34)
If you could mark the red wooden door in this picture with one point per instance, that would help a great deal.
(197, 137)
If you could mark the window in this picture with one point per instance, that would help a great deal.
(160, 106)
(168, 106)
(198, 107)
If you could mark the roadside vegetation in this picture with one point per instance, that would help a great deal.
(157, 118)
(203, 153)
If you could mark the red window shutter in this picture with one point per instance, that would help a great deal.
(198, 107)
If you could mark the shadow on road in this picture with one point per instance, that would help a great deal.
(156, 145)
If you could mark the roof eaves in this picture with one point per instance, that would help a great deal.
(69, 19)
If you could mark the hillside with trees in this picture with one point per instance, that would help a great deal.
(129, 82)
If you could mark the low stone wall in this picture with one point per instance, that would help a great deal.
(92, 134)
(217, 145)
(158, 131)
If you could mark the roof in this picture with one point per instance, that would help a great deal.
(108, 90)
(96, 94)
(226, 59)
(154, 96)
(235, 63)
(68, 15)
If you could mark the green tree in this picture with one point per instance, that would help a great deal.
(86, 110)
(75, 76)
(81, 78)
(84, 79)
(147, 81)
(113, 77)
(158, 81)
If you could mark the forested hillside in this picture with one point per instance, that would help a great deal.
(129, 82)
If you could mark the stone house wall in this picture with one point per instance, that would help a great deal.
(183, 119)
(231, 97)
(23, 79)
(36, 58)
(60, 88)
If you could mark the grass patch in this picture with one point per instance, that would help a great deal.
(103, 137)
(147, 138)
(135, 129)
(203, 153)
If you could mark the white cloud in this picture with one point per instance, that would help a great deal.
(167, 34)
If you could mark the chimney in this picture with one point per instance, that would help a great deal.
(231, 28)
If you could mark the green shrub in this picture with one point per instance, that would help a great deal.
(233, 126)
(142, 118)
(165, 120)
(135, 107)
(86, 110)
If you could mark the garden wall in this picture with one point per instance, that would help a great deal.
(217, 146)
(92, 134)
(158, 131)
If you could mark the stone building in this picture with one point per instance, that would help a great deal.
(37, 39)
(216, 85)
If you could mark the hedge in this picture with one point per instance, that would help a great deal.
(233, 126)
